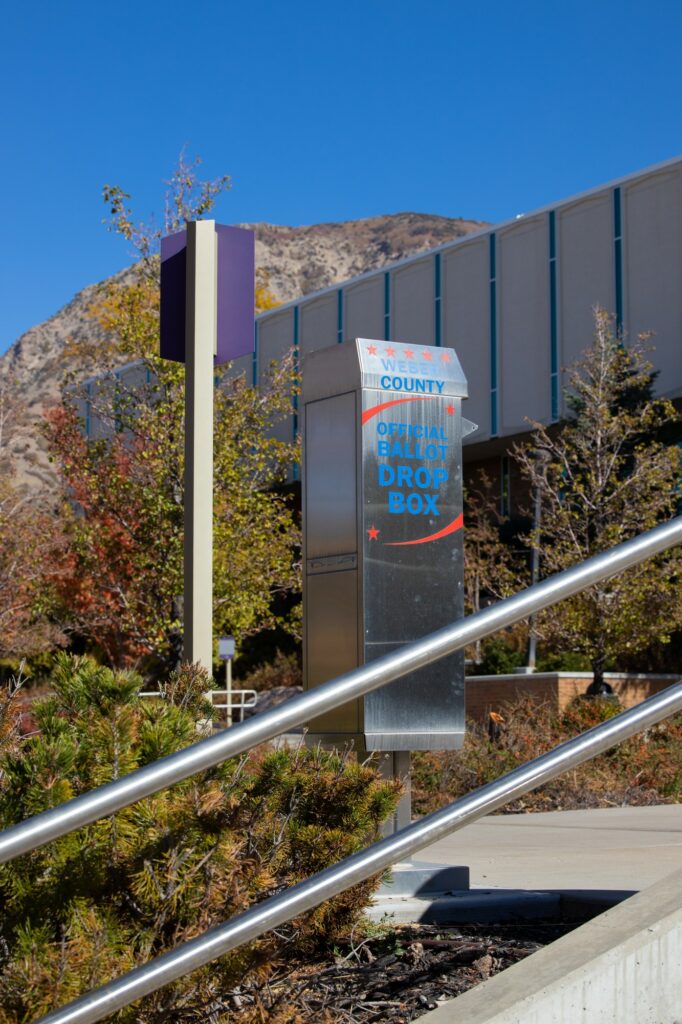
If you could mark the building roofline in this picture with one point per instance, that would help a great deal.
(483, 232)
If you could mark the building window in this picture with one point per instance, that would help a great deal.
(339, 316)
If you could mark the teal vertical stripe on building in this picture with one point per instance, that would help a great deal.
(296, 381)
(387, 307)
(339, 316)
(254, 361)
(437, 298)
(493, 333)
(553, 335)
(618, 256)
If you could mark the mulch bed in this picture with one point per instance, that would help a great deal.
(396, 976)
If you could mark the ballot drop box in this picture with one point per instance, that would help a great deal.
(382, 522)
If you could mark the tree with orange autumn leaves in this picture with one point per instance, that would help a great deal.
(123, 493)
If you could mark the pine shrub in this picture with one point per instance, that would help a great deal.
(98, 902)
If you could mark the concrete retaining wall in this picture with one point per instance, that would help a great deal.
(623, 967)
(489, 693)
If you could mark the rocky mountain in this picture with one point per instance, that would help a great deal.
(305, 259)
(297, 261)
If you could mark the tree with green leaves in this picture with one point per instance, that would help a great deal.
(604, 475)
(125, 529)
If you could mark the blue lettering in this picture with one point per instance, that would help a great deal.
(404, 478)
(396, 502)
(414, 504)
(430, 504)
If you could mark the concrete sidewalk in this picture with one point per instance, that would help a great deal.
(622, 848)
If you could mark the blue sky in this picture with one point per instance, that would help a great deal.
(318, 111)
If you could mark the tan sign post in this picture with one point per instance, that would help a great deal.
(200, 349)
(207, 318)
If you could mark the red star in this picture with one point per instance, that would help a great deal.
(372, 349)
(450, 410)
(372, 533)
(445, 357)
(427, 355)
(408, 353)
(390, 351)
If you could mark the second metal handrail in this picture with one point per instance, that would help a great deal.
(114, 796)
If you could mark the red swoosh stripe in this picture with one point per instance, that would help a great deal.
(368, 413)
(455, 525)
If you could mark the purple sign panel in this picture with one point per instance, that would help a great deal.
(236, 284)
(173, 296)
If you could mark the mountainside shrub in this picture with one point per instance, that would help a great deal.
(92, 905)
(282, 670)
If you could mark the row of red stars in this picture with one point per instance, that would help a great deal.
(408, 353)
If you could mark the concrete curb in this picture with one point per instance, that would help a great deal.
(625, 965)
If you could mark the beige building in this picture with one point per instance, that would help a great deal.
(515, 301)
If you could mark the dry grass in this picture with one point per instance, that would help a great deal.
(646, 769)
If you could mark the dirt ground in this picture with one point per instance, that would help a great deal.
(394, 976)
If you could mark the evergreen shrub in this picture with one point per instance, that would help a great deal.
(94, 904)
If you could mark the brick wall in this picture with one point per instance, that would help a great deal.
(489, 693)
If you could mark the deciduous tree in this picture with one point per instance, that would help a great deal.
(126, 533)
(492, 570)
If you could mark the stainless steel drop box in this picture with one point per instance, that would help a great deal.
(382, 518)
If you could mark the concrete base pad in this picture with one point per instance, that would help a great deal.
(491, 906)
(423, 878)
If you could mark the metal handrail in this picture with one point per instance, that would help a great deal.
(315, 890)
(248, 698)
(114, 796)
